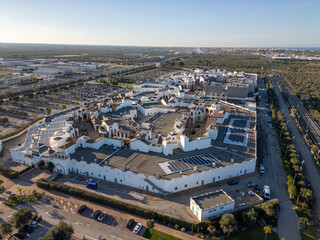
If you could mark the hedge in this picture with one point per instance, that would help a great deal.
(94, 197)
(9, 173)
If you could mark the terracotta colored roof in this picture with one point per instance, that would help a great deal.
(227, 109)
(219, 114)
(210, 121)
(124, 131)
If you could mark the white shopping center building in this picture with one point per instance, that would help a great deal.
(149, 164)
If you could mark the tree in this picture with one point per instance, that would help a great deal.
(20, 190)
(228, 224)
(211, 229)
(62, 231)
(7, 94)
(49, 166)
(306, 194)
(5, 228)
(150, 224)
(63, 106)
(47, 110)
(41, 164)
(292, 191)
(267, 230)
(250, 217)
(21, 217)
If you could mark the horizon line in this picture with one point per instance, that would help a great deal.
(111, 45)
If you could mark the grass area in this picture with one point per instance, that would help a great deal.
(5, 72)
(157, 235)
(120, 66)
(309, 233)
(256, 233)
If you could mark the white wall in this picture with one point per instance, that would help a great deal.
(137, 180)
(187, 145)
(138, 145)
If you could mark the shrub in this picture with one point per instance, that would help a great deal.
(5, 228)
(183, 229)
(8, 173)
(34, 217)
(176, 226)
(200, 235)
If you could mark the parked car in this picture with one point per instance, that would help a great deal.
(137, 228)
(92, 185)
(233, 182)
(34, 224)
(251, 193)
(79, 178)
(96, 214)
(27, 229)
(89, 180)
(262, 169)
(129, 223)
(102, 216)
(256, 187)
(20, 235)
(81, 209)
(266, 192)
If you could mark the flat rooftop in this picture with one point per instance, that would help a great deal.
(212, 199)
(164, 123)
(89, 155)
(149, 164)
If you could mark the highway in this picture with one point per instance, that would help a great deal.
(305, 118)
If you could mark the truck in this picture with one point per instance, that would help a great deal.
(92, 185)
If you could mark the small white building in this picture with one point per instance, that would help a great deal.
(211, 205)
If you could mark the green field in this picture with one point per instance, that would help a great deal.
(304, 78)
(5, 72)
(157, 235)
(256, 233)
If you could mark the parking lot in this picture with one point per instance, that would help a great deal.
(72, 207)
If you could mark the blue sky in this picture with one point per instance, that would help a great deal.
(194, 23)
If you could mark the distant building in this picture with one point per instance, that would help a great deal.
(211, 205)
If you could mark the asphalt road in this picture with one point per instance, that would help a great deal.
(275, 175)
(309, 166)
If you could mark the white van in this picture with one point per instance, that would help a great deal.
(262, 169)
(266, 192)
